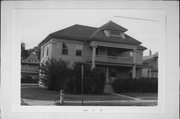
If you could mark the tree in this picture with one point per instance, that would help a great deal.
(24, 52)
(54, 74)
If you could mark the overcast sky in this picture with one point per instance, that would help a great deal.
(34, 25)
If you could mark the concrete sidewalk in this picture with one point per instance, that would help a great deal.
(103, 103)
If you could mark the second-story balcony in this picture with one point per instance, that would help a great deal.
(113, 59)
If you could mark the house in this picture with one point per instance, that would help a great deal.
(30, 66)
(107, 47)
(151, 66)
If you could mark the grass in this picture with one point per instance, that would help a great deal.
(34, 92)
(39, 96)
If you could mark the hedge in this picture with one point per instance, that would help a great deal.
(93, 82)
(142, 85)
(54, 73)
(28, 79)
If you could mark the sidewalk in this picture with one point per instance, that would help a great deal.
(95, 103)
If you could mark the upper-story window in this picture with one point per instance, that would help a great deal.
(64, 49)
(122, 35)
(131, 54)
(107, 33)
(115, 32)
(78, 50)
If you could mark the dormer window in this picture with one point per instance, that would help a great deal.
(122, 35)
(114, 33)
(107, 33)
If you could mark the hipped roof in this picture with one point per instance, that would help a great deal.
(87, 33)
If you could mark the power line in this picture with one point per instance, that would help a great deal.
(137, 18)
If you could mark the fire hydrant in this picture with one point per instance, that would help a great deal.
(62, 96)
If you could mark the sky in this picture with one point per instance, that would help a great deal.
(34, 25)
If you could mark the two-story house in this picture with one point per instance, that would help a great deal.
(30, 67)
(106, 47)
(150, 64)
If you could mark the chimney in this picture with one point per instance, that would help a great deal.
(150, 53)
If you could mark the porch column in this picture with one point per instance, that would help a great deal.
(134, 62)
(93, 56)
(134, 72)
(149, 73)
(107, 75)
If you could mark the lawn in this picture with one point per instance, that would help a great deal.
(35, 95)
(34, 92)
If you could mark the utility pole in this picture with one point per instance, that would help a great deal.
(82, 78)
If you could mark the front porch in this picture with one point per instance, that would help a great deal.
(111, 54)
(115, 72)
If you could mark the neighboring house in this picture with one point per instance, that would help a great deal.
(30, 66)
(106, 47)
(151, 66)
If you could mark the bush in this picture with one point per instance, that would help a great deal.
(54, 74)
(93, 82)
(136, 85)
(28, 79)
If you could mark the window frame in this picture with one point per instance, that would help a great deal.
(80, 51)
(64, 49)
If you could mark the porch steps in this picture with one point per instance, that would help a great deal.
(108, 88)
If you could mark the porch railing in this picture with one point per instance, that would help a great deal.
(114, 59)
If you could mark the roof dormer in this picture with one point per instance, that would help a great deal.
(113, 26)
(114, 33)
(113, 29)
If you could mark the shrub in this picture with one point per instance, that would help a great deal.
(135, 85)
(54, 73)
(28, 79)
(93, 82)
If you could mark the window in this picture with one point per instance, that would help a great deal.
(115, 32)
(78, 53)
(131, 54)
(107, 33)
(122, 35)
(78, 50)
(64, 49)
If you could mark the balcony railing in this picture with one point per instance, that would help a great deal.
(114, 59)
